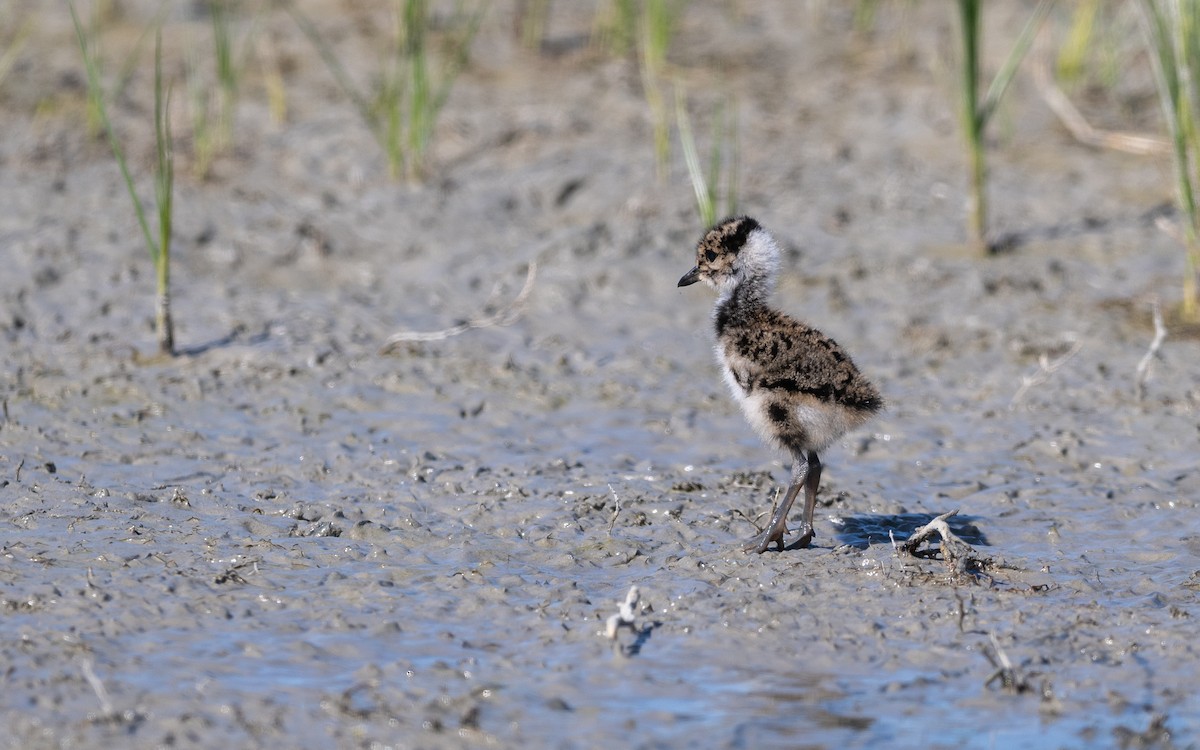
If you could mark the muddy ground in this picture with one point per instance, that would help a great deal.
(281, 537)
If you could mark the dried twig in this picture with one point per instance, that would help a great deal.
(1074, 122)
(616, 511)
(626, 616)
(754, 521)
(956, 553)
(1046, 368)
(1143, 368)
(936, 526)
(106, 706)
(504, 317)
(1166, 226)
(1006, 672)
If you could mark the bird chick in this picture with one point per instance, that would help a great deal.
(798, 388)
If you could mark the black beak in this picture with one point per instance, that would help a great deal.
(691, 277)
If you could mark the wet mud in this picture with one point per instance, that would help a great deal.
(282, 537)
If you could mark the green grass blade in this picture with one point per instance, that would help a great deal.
(1162, 40)
(704, 200)
(165, 157)
(15, 45)
(391, 116)
(1170, 30)
(972, 123)
(660, 17)
(97, 90)
(617, 30)
(460, 58)
(361, 103)
(415, 20)
(715, 158)
(198, 110)
(1073, 55)
(1005, 75)
(164, 184)
(969, 17)
(1189, 56)
(654, 101)
(733, 168)
(222, 43)
(125, 75)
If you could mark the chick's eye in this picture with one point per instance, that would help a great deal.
(710, 255)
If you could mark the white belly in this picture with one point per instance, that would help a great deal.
(823, 423)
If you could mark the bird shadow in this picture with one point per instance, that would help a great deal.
(640, 639)
(863, 531)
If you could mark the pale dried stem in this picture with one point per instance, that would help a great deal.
(626, 616)
(106, 706)
(1143, 368)
(1075, 123)
(1046, 368)
(937, 526)
(956, 553)
(1006, 672)
(507, 316)
(1171, 229)
(616, 511)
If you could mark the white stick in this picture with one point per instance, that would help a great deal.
(504, 317)
(1143, 368)
(617, 511)
(106, 705)
(626, 616)
(1046, 368)
(1080, 128)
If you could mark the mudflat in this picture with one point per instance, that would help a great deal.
(283, 537)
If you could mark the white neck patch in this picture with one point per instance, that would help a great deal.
(759, 259)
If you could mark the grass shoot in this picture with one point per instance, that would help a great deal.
(13, 43)
(213, 102)
(531, 20)
(658, 21)
(101, 12)
(1173, 28)
(204, 135)
(402, 112)
(229, 71)
(164, 176)
(722, 158)
(616, 27)
(272, 70)
(1073, 55)
(977, 111)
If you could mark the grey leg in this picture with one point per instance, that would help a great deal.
(778, 526)
(812, 480)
